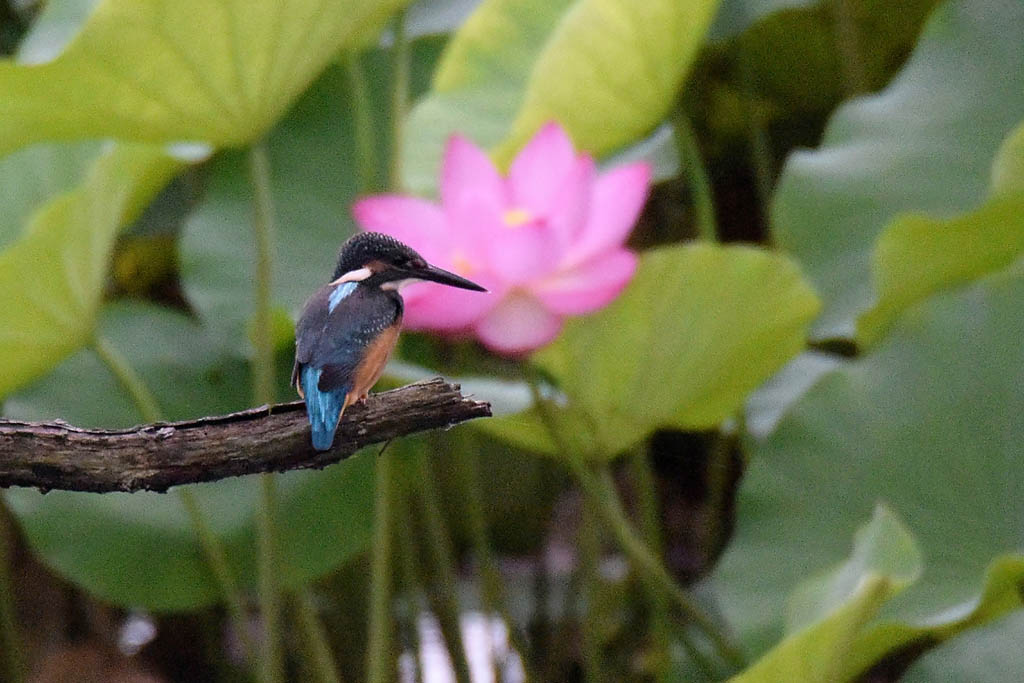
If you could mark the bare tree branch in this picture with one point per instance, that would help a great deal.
(157, 456)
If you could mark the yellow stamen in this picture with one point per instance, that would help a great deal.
(514, 218)
(462, 265)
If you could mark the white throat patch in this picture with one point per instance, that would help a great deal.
(399, 285)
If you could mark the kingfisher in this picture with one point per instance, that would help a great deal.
(348, 328)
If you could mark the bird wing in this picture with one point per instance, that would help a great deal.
(308, 330)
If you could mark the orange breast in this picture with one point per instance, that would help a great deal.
(372, 365)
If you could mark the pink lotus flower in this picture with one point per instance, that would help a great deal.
(547, 240)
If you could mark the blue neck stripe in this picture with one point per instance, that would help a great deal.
(340, 292)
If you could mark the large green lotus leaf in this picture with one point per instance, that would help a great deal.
(925, 143)
(140, 549)
(515, 64)
(990, 654)
(837, 605)
(882, 547)
(696, 331)
(799, 64)
(51, 279)
(32, 176)
(611, 70)
(917, 255)
(170, 70)
(928, 422)
(172, 351)
(1002, 593)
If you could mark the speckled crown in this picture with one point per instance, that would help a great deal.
(364, 247)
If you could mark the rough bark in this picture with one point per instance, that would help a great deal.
(157, 456)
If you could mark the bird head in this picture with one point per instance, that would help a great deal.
(378, 260)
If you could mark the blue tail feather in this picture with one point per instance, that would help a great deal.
(323, 408)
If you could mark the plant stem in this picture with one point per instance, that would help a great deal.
(399, 100)
(645, 485)
(599, 487)
(760, 147)
(590, 557)
(468, 473)
(218, 561)
(378, 662)
(272, 662)
(379, 667)
(129, 380)
(848, 46)
(650, 523)
(408, 555)
(362, 118)
(319, 656)
(213, 550)
(541, 630)
(718, 469)
(319, 650)
(642, 476)
(697, 172)
(443, 558)
(263, 238)
(10, 641)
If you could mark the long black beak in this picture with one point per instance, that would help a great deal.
(445, 278)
